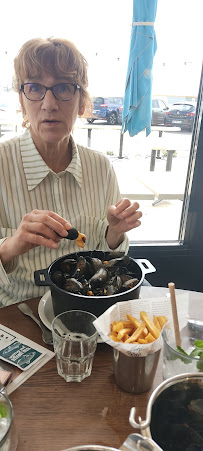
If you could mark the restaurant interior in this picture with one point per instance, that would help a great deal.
(127, 401)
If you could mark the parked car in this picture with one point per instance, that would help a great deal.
(181, 115)
(10, 118)
(109, 109)
(159, 109)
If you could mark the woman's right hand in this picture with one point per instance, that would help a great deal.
(38, 228)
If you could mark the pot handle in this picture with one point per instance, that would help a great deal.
(42, 278)
(133, 422)
(145, 265)
(137, 442)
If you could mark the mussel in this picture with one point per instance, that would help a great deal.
(91, 276)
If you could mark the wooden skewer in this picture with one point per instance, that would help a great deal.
(171, 287)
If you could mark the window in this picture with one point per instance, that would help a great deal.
(98, 100)
(155, 103)
(162, 171)
(162, 105)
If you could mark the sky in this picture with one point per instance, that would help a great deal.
(101, 31)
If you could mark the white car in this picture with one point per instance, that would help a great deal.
(159, 108)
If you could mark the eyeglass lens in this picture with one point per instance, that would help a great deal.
(62, 91)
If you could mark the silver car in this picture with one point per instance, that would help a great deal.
(159, 109)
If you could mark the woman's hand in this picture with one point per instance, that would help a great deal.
(36, 229)
(122, 217)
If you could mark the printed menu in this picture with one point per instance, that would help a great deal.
(19, 358)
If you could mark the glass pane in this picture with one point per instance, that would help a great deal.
(153, 169)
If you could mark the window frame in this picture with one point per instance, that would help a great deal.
(189, 246)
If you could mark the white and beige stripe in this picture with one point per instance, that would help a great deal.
(81, 194)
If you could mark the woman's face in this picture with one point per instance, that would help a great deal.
(51, 120)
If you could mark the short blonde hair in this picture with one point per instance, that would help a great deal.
(57, 57)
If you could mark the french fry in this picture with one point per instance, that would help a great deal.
(133, 330)
(120, 325)
(149, 338)
(134, 337)
(136, 322)
(117, 327)
(113, 336)
(125, 337)
(150, 325)
(124, 331)
(156, 323)
(162, 320)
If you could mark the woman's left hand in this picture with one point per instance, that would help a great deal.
(122, 217)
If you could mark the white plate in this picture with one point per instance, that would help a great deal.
(46, 312)
(45, 309)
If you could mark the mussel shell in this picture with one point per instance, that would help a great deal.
(122, 261)
(114, 286)
(81, 266)
(99, 278)
(115, 254)
(130, 283)
(58, 278)
(96, 275)
(73, 285)
(94, 265)
(68, 266)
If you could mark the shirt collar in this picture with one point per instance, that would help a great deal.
(36, 169)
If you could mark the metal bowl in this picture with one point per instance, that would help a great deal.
(174, 414)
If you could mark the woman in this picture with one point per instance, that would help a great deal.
(48, 183)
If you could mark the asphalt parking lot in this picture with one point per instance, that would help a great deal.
(161, 221)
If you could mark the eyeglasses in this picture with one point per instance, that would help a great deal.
(62, 91)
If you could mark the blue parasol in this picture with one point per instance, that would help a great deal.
(138, 92)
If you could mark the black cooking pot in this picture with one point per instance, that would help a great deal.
(63, 300)
(174, 413)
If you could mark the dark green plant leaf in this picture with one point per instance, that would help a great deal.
(181, 350)
(196, 352)
(200, 365)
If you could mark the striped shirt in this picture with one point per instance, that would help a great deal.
(81, 194)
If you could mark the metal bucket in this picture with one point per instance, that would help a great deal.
(135, 374)
(8, 436)
(174, 414)
(134, 442)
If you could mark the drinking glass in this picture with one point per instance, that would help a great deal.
(75, 342)
(174, 361)
(8, 434)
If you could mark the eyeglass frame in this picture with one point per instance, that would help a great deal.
(49, 89)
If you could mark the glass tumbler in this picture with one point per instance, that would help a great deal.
(174, 361)
(75, 342)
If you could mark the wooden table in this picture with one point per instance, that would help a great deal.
(52, 415)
